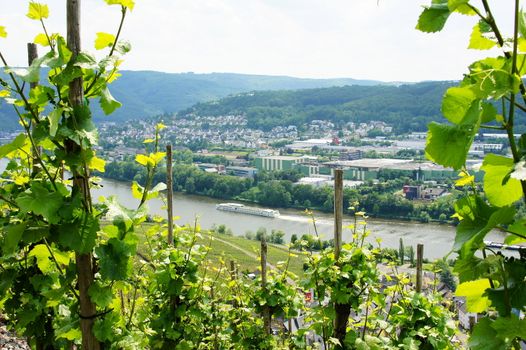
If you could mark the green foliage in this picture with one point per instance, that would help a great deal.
(492, 284)
(360, 104)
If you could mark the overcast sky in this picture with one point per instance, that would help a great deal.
(363, 39)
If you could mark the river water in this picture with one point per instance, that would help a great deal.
(437, 239)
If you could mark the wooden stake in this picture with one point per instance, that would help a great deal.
(233, 272)
(84, 262)
(338, 212)
(32, 54)
(419, 261)
(169, 184)
(266, 310)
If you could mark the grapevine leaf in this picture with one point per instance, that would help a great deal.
(107, 102)
(70, 331)
(114, 259)
(100, 295)
(465, 179)
(499, 192)
(54, 119)
(478, 220)
(104, 40)
(433, 19)
(489, 113)
(16, 144)
(515, 293)
(29, 75)
(484, 337)
(39, 200)
(519, 228)
(86, 61)
(522, 23)
(157, 157)
(456, 103)
(143, 159)
(12, 236)
(41, 39)
(41, 253)
(3, 33)
(97, 164)
(126, 3)
(477, 41)
(137, 190)
(461, 6)
(154, 192)
(37, 11)
(509, 328)
(103, 327)
(474, 291)
(78, 236)
(448, 145)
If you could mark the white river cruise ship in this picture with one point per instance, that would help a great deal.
(240, 208)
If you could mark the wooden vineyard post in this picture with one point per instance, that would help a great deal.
(419, 272)
(342, 311)
(266, 311)
(32, 54)
(170, 188)
(84, 261)
(233, 270)
(338, 212)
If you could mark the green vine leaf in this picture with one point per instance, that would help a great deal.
(457, 102)
(11, 238)
(104, 40)
(18, 143)
(522, 24)
(85, 60)
(509, 328)
(100, 295)
(41, 253)
(518, 227)
(107, 102)
(54, 118)
(39, 200)
(126, 3)
(484, 337)
(461, 6)
(499, 187)
(477, 219)
(478, 41)
(37, 11)
(79, 236)
(433, 18)
(474, 292)
(448, 145)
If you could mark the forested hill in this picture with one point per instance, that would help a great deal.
(148, 93)
(407, 107)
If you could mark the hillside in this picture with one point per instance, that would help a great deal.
(149, 93)
(408, 107)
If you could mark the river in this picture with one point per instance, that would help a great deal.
(437, 239)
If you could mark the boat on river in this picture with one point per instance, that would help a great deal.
(241, 208)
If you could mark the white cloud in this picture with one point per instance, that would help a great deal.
(308, 38)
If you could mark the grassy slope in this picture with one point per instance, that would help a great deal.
(243, 251)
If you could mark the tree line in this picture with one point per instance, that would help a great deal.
(278, 189)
